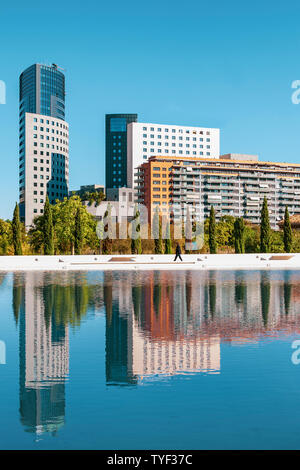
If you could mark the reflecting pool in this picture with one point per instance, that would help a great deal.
(150, 360)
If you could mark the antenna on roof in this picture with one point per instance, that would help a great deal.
(57, 67)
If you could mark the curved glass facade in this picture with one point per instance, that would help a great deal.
(42, 91)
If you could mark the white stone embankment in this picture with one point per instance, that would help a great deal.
(150, 262)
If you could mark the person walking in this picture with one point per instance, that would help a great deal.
(178, 252)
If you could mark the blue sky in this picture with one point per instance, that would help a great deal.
(225, 64)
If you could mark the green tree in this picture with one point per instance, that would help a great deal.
(107, 232)
(64, 217)
(239, 235)
(48, 229)
(168, 241)
(136, 242)
(287, 232)
(224, 231)
(5, 236)
(158, 247)
(78, 235)
(97, 197)
(212, 232)
(265, 229)
(16, 229)
(188, 231)
(36, 235)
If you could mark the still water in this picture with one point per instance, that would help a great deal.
(150, 360)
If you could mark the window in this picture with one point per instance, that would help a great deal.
(118, 125)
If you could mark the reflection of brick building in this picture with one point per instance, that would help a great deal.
(158, 309)
(179, 319)
(156, 337)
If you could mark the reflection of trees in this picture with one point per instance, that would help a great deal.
(287, 292)
(65, 304)
(188, 292)
(212, 291)
(137, 299)
(2, 277)
(157, 293)
(65, 299)
(18, 294)
(265, 289)
(240, 288)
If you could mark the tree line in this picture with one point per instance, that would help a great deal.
(68, 228)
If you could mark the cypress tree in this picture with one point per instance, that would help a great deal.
(107, 242)
(136, 242)
(239, 235)
(48, 229)
(212, 231)
(78, 235)
(16, 229)
(168, 242)
(287, 232)
(158, 248)
(265, 229)
(188, 230)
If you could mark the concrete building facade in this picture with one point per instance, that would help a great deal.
(233, 186)
(144, 140)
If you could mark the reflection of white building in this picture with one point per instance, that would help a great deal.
(153, 330)
(46, 346)
(44, 359)
(165, 323)
(181, 356)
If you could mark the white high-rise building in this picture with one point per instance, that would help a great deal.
(145, 140)
(44, 140)
(45, 166)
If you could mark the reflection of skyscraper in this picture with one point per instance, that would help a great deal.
(44, 361)
(173, 323)
(159, 334)
(118, 334)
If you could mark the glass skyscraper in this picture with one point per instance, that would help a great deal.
(116, 149)
(44, 140)
(42, 91)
